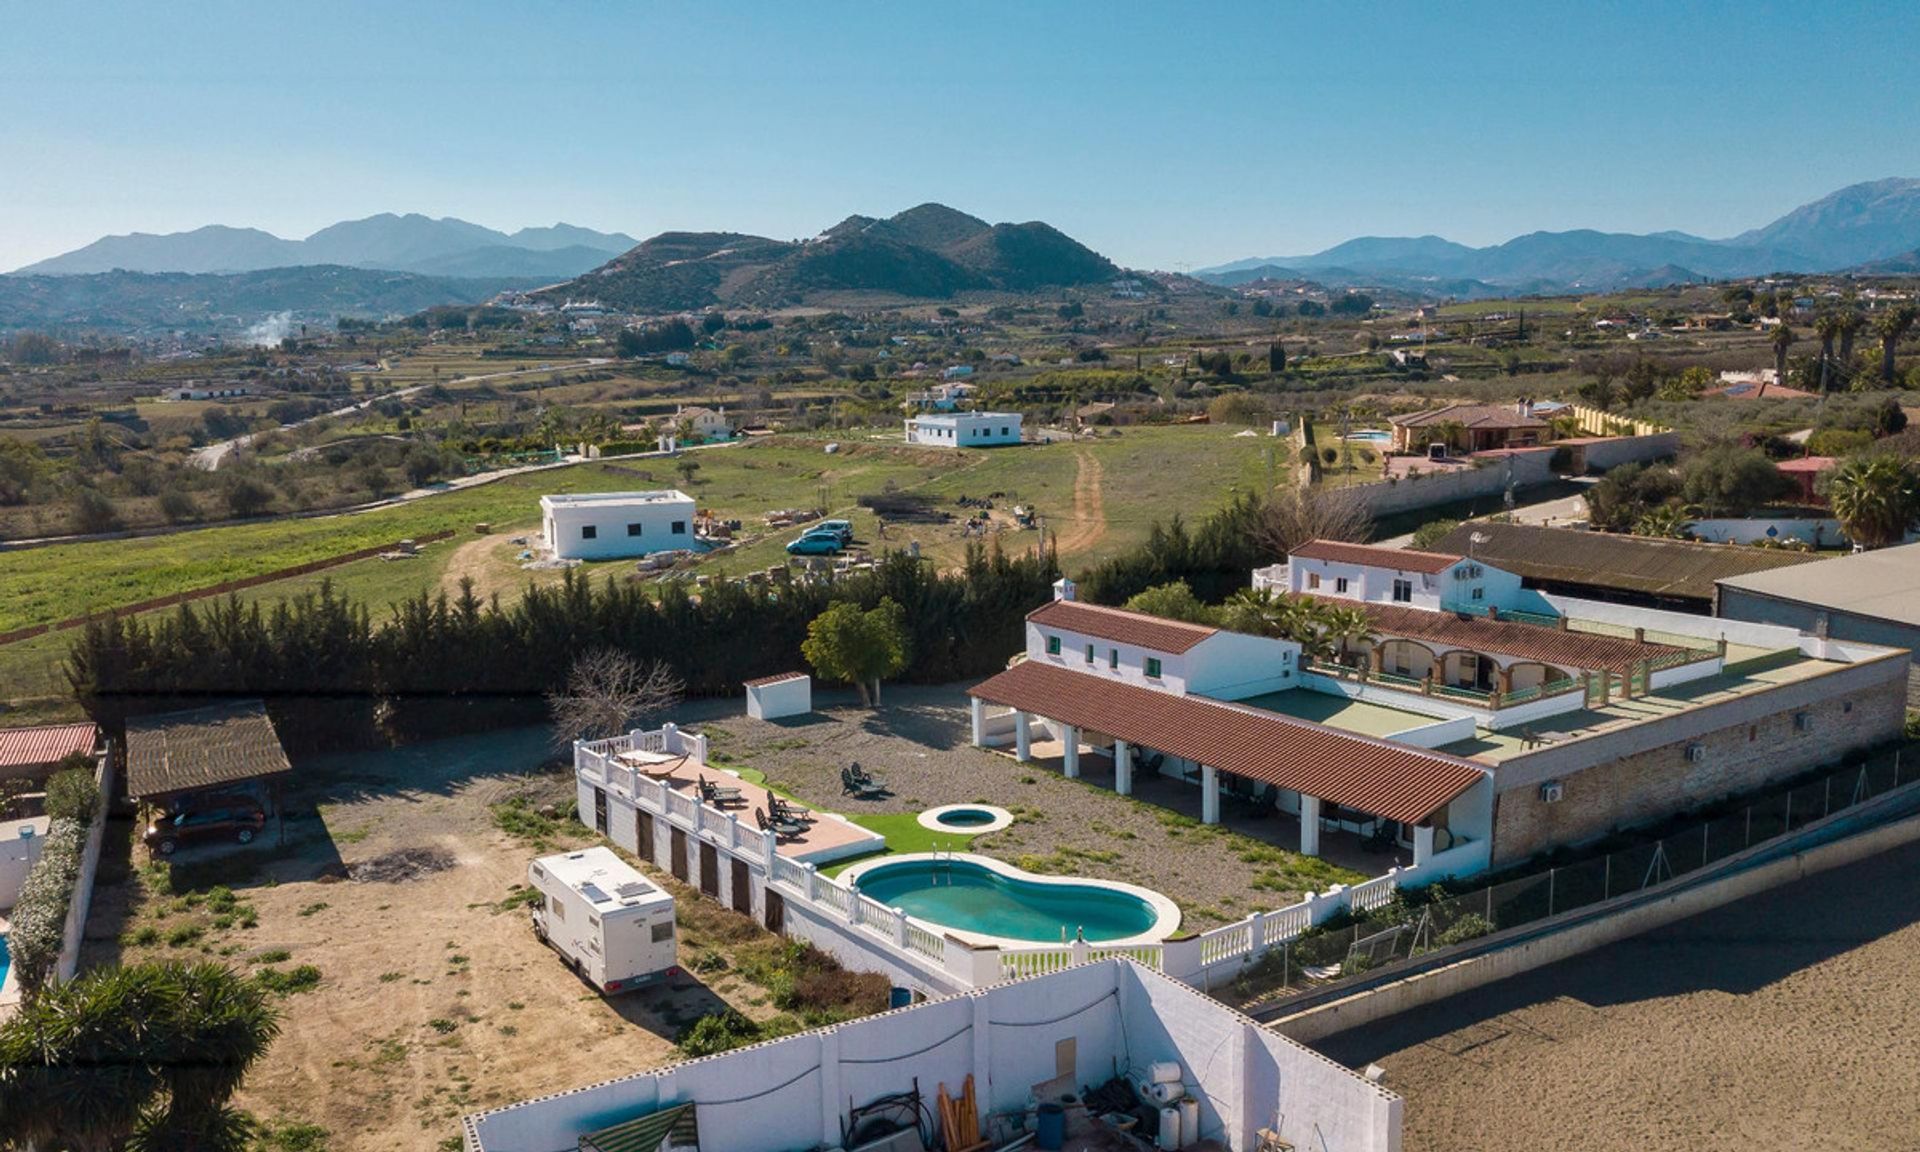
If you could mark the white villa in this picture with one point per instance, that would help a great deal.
(1459, 722)
(615, 525)
(965, 430)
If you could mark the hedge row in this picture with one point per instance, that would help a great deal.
(40, 915)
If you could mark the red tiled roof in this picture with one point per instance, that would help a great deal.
(1580, 650)
(1375, 556)
(1119, 625)
(1469, 416)
(1812, 464)
(33, 747)
(1377, 776)
(779, 678)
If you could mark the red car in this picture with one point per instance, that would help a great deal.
(216, 818)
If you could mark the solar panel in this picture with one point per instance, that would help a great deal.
(632, 889)
(593, 893)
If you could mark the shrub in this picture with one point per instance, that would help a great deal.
(72, 795)
(40, 914)
(1430, 533)
(720, 1032)
(301, 979)
(1472, 926)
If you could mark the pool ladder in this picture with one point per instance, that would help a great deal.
(938, 859)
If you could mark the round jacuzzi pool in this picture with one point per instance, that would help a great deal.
(969, 819)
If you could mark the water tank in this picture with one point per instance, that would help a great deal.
(1050, 1131)
(1190, 1118)
(1169, 1139)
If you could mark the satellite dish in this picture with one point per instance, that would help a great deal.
(1479, 537)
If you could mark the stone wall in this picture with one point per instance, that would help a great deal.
(1643, 773)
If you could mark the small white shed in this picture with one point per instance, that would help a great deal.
(788, 694)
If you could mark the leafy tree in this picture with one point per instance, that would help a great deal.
(1174, 601)
(1889, 419)
(247, 496)
(1688, 385)
(1727, 479)
(93, 511)
(34, 349)
(686, 466)
(845, 643)
(1312, 308)
(1352, 304)
(673, 336)
(1276, 355)
(422, 464)
(1876, 498)
(1621, 497)
(1431, 533)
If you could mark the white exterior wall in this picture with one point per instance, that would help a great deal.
(18, 853)
(965, 430)
(1364, 582)
(563, 523)
(786, 698)
(792, 1093)
(1133, 659)
(1235, 666)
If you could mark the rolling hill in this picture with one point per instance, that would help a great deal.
(927, 252)
(1857, 225)
(410, 243)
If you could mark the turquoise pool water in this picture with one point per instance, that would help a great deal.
(1372, 437)
(966, 817)
(973, 898)
(3, 958)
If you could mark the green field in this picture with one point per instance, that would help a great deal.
(1095, 498)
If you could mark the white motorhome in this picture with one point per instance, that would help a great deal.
(614, 924)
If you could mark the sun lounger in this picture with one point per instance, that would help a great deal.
(717, 796)
(782, 829)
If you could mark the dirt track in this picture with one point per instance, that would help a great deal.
(1788, 1020)
(1089, 524)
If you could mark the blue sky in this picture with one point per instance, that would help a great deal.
(1163, 135)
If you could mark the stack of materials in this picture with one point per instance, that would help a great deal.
(960, 1118)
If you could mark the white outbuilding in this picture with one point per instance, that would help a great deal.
(612, 525)
(772, 697)
(964, 429)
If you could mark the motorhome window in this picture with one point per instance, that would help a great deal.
(663, 932)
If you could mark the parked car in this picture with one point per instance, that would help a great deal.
(842, 528)
(236, 818)
(815, 544)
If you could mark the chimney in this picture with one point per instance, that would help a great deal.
(1063, 589)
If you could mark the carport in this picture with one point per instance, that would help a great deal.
(226, 747)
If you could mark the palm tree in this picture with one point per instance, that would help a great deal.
(1345, 627)
(1851, 322)
(153, 1051)
(1876, 498)
(1827, 327)
(1666, 520)
(1452, 433)
(1782, 340)
(1891, 328)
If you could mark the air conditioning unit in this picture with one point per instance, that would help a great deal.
(1552, 792)
(1696, 753)
(1803, 721)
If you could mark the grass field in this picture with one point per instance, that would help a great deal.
(1096, 497)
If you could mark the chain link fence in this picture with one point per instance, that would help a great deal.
(1423, 920)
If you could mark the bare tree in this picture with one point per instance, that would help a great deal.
(608, 692)
(1295, 515)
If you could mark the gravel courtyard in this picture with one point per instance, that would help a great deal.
(917, 741)
(1786, 1020)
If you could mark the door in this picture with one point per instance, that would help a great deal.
(776, 911)
(710, 870)
(742, 887)
(678, 863)
(643, 835)
(600, 810)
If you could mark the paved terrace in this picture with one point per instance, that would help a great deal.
(684, 775)
(917, 741)
(1752, 670)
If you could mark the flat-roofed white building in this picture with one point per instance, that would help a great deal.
(612, 525)
(964, 429)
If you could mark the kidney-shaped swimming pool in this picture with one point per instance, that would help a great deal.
(984, 897)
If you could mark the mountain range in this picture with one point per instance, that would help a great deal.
(1856, 226)
(410, 243)
(928, 252)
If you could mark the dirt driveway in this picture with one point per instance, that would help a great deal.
(433, 999)
(1786, 1020)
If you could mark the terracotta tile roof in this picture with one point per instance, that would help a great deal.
(778, 678)
(1121, 626)
(219, 744)
(1470, 416)
(1375, 556)
(1643, 564)
(35, 747)
(1578, 650)
(1377, 776)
